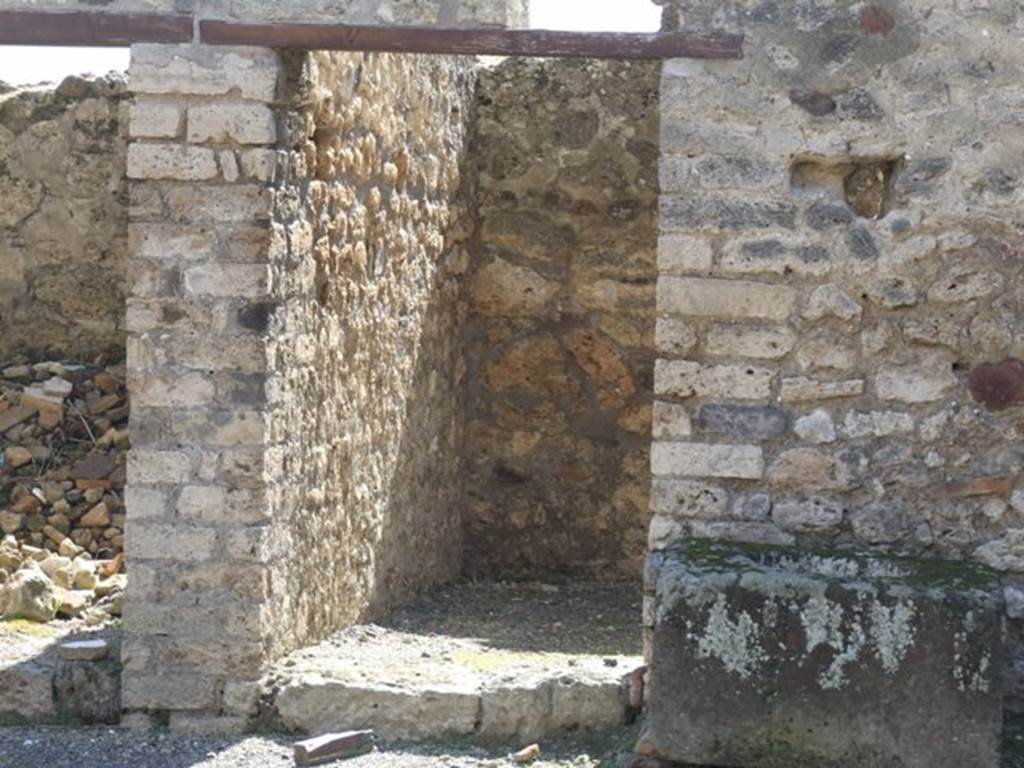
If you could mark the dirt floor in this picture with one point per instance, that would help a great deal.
(585, 618)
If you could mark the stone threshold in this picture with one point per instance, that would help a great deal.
(499, 663)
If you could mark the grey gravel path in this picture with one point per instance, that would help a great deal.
(115, 748)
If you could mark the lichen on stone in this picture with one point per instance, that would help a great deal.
(892, 632)
(734, 642)
(823, 622)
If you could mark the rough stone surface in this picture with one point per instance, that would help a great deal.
(63, 226)
(765, 657)
(561, 317)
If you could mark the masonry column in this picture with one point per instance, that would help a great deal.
(201, 163)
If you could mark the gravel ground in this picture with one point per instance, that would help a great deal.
(115, 748)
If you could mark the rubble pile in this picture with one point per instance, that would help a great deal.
(39, 585)
(63, 452)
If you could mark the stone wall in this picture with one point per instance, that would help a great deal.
(63, 223)
(367, 402)
(561, 332)
(840, 296)
(295, 357)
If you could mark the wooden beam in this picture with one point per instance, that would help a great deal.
(87, 28)
(100, 28)
(480, 42)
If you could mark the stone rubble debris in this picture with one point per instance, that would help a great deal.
(63, 455)
(84, 650)
(526, 755)
(333, 746)
(38, 585)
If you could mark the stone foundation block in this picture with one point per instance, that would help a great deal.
(767, 657)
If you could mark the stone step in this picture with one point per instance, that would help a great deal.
(433, 703)
(499, 663)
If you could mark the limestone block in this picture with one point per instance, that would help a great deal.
(153, 119)
(218, 203)
(515, 712)
(675, 336)
(750, 341)
(215, 504)
(181, 542)
(180, 691)
(226, 123)
(204, 70)
(763, 655)
(802, 389)
(171, 242)
(703, 460)
(146, 466)
(170, 389)
(679, 254)
(171, 161)
(577, 704)
(688, 378)
(671, 420)
(688, 499)
(706, 297)
(317, 705)
(227, 280)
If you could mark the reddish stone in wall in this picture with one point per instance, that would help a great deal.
(875, 20)
(998, 385)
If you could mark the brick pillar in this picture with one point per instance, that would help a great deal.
(200, 162)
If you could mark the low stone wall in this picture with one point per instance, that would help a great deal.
(63, 222)
(367, 400)
(561, 328)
